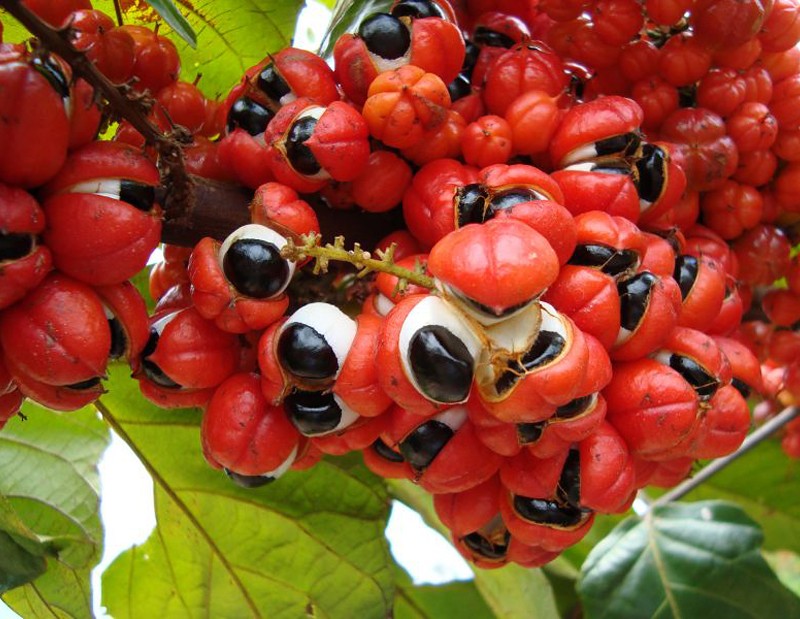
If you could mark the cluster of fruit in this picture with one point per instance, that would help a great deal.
(551, 331)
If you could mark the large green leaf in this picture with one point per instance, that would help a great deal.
(454, 600)
(684, 560)
(310, 543)
(50, 483)
(175, 20)
(511, 591)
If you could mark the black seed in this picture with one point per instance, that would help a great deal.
(542, 511)
(569, 484)
(741, 387)
(634, 298)
(491, 38)
(652, 173)
(417, 8)
(272, 84)
(696, 375)
(138, 195)
(312, 412)
(441, 363)
(14, 246)
(386, 452)
(421, 446)
(255, 268)
(624, 145)
(506, 199)
(51, 71)
(472, 206)
(248, 115)
(530, 432)
(459, 87)
(385, 36)
(119, 341)
(84, 384)
(249, 481)
(305, 353)
(300, 155)
(610, 261)
(151, 370)
(482, 547)
(548, 346)
(685, 273)
(574, 408)
(470, 58)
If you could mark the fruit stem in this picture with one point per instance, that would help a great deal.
(311, 247)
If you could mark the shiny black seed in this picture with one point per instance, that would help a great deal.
(685, 273)
(84, 384)
(417, 8)
(312, 412)
(138, 195)
(610, 261)
(15, 246)
(385, 36)
(305, 353)
(459, 87)
(472, 206)
(248, 115)
(634, 298)
(272, 84)
(548, 346)
(503, 200)
(119, 342)
(421, 446)
(542, 511)
(386, 452)
(151, 370)
(530, 432)
(491, 38)
(574, 408)
(482, 547)
(470, 58)
(441, 363)
(255, 268)
(704, 384)
(51, 71)
(300, 155)
(249, 481)
(741, 387)
(624, 145)
(569, 484)
(485, 309)
(652, 173)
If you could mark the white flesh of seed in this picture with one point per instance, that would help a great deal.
(453, 418)
(663, 356)
(106, 187)
(582, 153)
(454, 295)
(338, 329)
(382, 304)
(162, 322)
(584, 166)
(259, 232)
(433, 310)
(516, 334)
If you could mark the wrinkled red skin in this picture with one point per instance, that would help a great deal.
(651, 406)
(174, 398)
(659, 254)
(306, 74)
(763, 253)
(704, 301)
(194, 353)
(404, 244)
(703, 349)
(482, 262)
(464, 462)
(386, 468)
(586, 191)
(274, 383)
(202, 159)
(58, 334)
(10, 403)
(744, 364)
(592, 121)
(590, 298)
(701, 240)
(468, 511)
(177, 297)
(549, 219)
(356, 437)
(387, 284)
(428, 207)
(56, 13)
(660, 317)
(279, 207)
(54, 397)
(357, 383)
(530, 65)
(35, 128)
(242, 432)
(731, 312)
(128, 307)
(672, 192)
(215, 298)
(606, 471)
(537, 393)
(85, 118)
(559, 434)
(782, 307)
(20, 214)
(600, 228)
(724, 426)
(502, 176)
(245, 158)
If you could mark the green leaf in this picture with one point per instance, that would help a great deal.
(684, 560)
(175, 20)
(18, 566)
(764, 482)
(511, 591)
(310, 543)
(454, 600)
(50, 483)
(786, 565)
